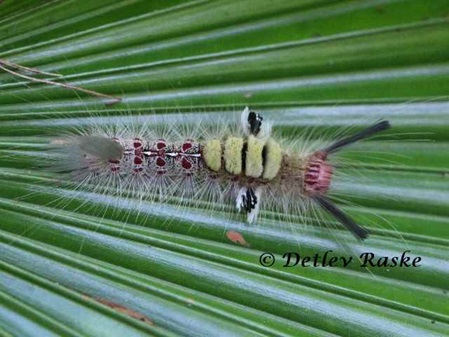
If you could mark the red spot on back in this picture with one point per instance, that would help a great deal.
(186, 164)
(137, 143)
(160, 162)
(138, 160)
(161, 144)
(114, 165)
(186, 146)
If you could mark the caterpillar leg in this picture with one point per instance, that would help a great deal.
(248, 200)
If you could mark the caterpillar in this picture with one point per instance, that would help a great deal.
(242, 164)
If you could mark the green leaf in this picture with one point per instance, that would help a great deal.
(90, 264)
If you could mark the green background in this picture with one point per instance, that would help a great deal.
(150, 269)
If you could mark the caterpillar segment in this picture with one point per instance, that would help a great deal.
(242, 166)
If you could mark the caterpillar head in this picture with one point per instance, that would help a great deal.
(318, 174)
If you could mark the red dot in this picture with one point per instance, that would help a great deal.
(160, 162)
(138, 160)
(186, 147)
(186, 164)
(161, 145)
(137, 143)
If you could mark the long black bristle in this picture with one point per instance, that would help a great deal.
(358, 231)
(368, 132)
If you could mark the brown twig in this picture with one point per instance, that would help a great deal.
(4, 64)
(33, 70)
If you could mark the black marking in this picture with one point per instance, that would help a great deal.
(264, 156)
(249, 200)
(255, 122)
(358, 231)
(368, 132)
(244, 150)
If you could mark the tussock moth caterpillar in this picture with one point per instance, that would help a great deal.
(242, 165)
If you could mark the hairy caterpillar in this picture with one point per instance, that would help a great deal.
(240, 164)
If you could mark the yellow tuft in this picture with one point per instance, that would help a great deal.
(273, 159)
(254, 162)
(233, 155)
(212, 154)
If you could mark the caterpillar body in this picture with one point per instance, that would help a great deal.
(241, 165)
